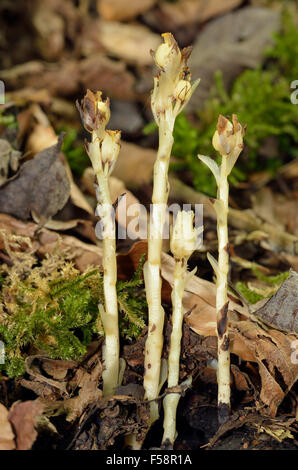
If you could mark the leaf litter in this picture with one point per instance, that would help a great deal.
(68, 392)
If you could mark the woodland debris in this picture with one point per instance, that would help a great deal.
(41, 186)
(116, 10)
(67, 78)
(23, 417)
(129, 42)
(9, 159)
(281, 310)
(184, 13)
(240, 219)
(84, 254)
(6, 433)
(113, 417)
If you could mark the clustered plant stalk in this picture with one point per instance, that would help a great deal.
(184, 242)
(103, 151)
(172, 90)
(228, 141)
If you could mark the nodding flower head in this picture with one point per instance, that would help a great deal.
(184, 239)
(168, 55)
(95, 113)
(172, 88)
(228, 137)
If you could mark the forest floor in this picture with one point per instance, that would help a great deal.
(50, 258)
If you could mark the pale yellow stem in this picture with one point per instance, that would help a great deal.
(172, 399)
(154, 343)
(223, 374)
(109, 314)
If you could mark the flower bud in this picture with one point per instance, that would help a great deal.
(228, 137)
(94, 112)
(182, 89)
(168, 54)
(110, 148)
(184, 235)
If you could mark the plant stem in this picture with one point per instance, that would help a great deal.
(171, 400)
(223, 375)
(154, 343)
(109, 314)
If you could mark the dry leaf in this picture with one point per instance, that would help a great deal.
(33, 368)
(96, 72)
(140, 159)
(130, 42)
(276, 209)
(185, 12)
(6, 433)
(23, 417)
(117, 10)
(272, 351)
(281, 311)
(41, 186)
(89, 392)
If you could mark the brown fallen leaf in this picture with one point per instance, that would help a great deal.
(116, 10)
(273, 352)
(96, 72)
(140, 159)
(277, 209)
(35, 365)
(6, 434)
(281, 310)
(23, 417)
(186, 12)
(41, 186)
(130, 42)
(89, 392)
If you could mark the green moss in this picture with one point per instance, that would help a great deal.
(8, 120)
(74, 152)
(56, 312)
(285, 50)
(275, 281)
(251, 296)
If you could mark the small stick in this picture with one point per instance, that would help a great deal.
(103, 151)
(228, 141)
(183, 243)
